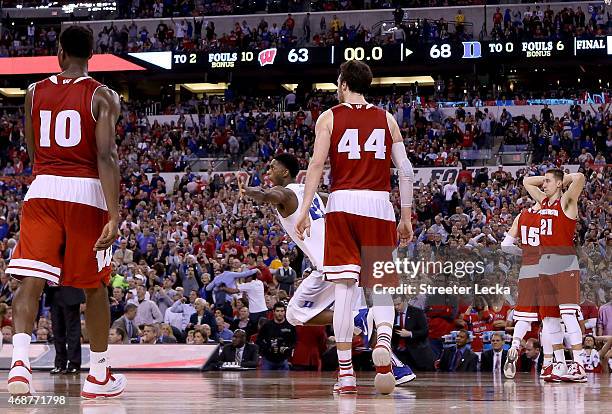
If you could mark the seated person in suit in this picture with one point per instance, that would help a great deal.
(409, 341)
(116, 336)
(244, 322)
(459, 358)
(493, 360)
(239, 351)
(202, 316)
(532, 359)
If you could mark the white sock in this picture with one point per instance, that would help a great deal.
(384, 316)
(345, 362)
(547, 361)
(520, 330)
(560, 356)
(98, 362)
(578, 356)
(21, 348)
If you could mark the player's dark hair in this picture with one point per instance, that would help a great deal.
(279, 305)
(130, 307)
(557, 173)
(77, 41)
(357, 75)
(290, 162)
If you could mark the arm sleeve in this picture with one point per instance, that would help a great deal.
(406, 173)
(508, 246)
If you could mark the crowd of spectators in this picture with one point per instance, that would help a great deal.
(183, 247)
(199, 34)
(180, 260)
(537, 24)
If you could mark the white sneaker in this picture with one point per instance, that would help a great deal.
(510, 365)
(575, 373)
(20, 379)
(558, 371)
(384, 380)
(347, 384)
(112, 386)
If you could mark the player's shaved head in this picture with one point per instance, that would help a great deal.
(557, 173)
(77, 42)
(290, 162)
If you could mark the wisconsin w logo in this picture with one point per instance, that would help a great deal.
(104, 258)
(266, 57)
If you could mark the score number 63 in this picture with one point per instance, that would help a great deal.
(298, 55)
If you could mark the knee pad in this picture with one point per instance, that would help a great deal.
(346, 296)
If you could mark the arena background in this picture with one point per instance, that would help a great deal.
(485, 94)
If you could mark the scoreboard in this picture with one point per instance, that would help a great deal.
(396, 55)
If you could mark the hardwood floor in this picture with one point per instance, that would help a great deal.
(258, 392)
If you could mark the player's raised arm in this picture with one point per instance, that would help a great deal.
(508, 244)
(106, 107)
(29, 132)
(570, 197)
(532, 185)
(406, 179)
(323, 131)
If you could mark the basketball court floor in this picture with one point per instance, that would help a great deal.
(257, 392)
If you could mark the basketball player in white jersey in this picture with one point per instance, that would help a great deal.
(312, 300)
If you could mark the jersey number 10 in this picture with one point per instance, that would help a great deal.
(67, 128)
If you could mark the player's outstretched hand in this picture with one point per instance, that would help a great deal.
(302, 226)
(404, 231)
(108, 236)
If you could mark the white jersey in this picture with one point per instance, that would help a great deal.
(312, 246)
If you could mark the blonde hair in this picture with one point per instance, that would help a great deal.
(165, 325)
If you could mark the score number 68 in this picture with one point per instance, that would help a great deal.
(443, 52)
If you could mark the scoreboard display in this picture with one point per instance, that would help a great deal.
(398, 54)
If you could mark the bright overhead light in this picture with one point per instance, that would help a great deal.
(289, 86)
(403, 80)
(205, 87)
(326, 86)
(13, 92)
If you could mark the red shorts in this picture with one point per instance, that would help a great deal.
(559, 286)
(526, 308)
(56, 243)
(355, 242)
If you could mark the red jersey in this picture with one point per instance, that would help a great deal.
(556, 229)
(64, 127)
(499, 315)
(529, 230)
(360, 148)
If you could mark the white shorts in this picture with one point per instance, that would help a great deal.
(313, 296)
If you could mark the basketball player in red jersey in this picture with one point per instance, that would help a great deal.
(526, 228)
(361, 140)
(71, 210)
(559, 285)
